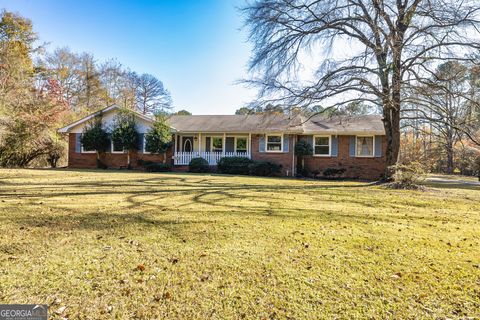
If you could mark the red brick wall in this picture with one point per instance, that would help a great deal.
(113, 160)
(283, 158)
(357, 168)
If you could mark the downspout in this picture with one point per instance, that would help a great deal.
(293, 155)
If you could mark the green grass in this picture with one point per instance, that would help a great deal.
(117, 244)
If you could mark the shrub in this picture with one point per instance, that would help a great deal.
(467, 160)
(315, 173)
(124, 134)
(198, 165)
(264, 168)
(333, 172)
(143, 163)
(303, 148)
(302, 171)
(157, 167)
(407, 176)
(234, 165)
(94, 137)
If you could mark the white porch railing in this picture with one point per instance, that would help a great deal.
(183, 158)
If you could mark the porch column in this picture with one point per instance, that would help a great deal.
(249, 145)
(175, 149)
(199, 142)
(223, 144)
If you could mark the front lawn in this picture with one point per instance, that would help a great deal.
(117, 244)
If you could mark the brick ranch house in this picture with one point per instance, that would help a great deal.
(353, 143)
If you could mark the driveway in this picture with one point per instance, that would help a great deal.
(453, 181)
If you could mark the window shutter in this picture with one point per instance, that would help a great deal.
(207, 144)
(140, 144)
(109, 147)
(334, 151)
(310, 140)
(78, 143)
(229, 144)
(286, 142)
(378, 146)
(261, 143)
(352, 146)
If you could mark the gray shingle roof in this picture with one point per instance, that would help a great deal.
(236, 123)
(371, 124)
(264, 123)
(344, 124)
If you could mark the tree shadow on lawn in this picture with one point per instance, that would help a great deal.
(215, 196)
(101, 222)
(165, 184)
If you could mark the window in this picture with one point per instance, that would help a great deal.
(145, 144)
(240, 144)
(274, 143)
(86, 150)
(321, 146)
(116, 149)
(217, 144)
(365, 146)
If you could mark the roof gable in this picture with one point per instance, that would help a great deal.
(113, 108)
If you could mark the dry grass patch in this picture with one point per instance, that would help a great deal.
(111, 244)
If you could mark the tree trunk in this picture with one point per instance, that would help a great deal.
(449, 150)
(128, 159)
(165, 157)
(391, 123)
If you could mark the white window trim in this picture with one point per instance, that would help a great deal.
(144, 145)
(281, 142)
(235, 143)
(211, 143)
(373, 148)
(112, 151)
(85, 151)
(329, 146)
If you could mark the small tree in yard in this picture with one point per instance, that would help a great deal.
(124, 133)
(159, 138)
(94, 137)
(303, 148)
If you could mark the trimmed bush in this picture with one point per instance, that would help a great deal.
(198, 165)
(234, 165)
(302, 171)
(264, 169)
(333, 172)
(407, 176)
(157, 167)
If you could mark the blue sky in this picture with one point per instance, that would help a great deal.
(195, 47)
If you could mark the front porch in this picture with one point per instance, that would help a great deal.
(211, 147)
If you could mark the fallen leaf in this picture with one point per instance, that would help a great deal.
(60, 310)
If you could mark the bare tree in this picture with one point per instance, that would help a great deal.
(386, 45)
(152, 97)
(64, 66)
(442, 104)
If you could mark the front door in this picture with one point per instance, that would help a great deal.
(187, 144)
